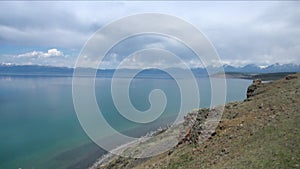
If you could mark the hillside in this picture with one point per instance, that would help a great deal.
(260, 132)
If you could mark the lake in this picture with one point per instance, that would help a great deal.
(39, 127)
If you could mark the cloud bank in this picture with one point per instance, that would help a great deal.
(243, 33)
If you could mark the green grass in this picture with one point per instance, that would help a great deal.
(275, 146)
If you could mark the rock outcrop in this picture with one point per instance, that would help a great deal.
(289, 77)
(251, 91)
(200, 125)
(194, 125)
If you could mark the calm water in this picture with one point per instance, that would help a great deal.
(39, 128)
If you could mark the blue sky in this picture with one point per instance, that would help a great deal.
(53, 33)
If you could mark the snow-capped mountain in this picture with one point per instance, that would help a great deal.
(251, 68)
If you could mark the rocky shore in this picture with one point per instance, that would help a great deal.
(260, 132)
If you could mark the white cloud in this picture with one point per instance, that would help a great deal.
(53, 52)
(39, 54)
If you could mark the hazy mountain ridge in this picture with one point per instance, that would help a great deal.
(10, 69)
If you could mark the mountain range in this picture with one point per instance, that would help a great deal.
(6, 69)
(251, 68)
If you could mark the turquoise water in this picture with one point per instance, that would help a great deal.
(39, 127)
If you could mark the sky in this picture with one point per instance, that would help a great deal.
(54, 33)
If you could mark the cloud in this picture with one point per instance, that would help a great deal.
(53, 57)
(242, 32)
(270, 35)
(131, 45)
(39, 54)
(63, 24)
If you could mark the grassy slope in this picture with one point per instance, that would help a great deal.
(262, 132)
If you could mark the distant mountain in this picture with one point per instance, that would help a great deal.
(251, 68)
(35, 70)
(282, 68)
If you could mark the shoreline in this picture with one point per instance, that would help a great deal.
(175, 129)
(102, 154)
(105, 158)
(265, 119)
